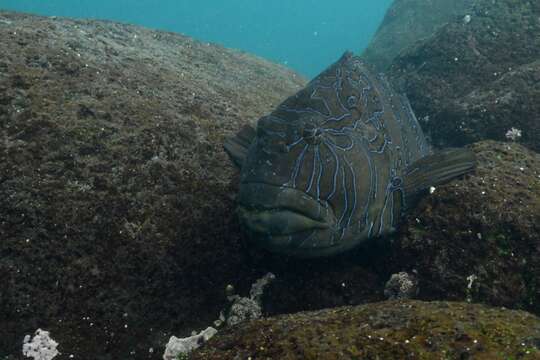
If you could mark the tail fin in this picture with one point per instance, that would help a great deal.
(434, 170)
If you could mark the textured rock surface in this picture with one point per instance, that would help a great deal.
(474, 81)
(409, 21)
(386, 331)
(479, 238)
(116, 225)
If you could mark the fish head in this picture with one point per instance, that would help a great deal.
(301, 182)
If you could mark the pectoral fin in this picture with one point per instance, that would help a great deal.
(237, 146)
(434, 170)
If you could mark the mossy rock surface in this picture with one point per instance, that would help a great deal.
(116, 210)
(479, 238)
(385, 330)
(475, 80)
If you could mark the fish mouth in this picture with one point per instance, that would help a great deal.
(276, 214)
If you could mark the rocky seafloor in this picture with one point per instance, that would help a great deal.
(117, 225)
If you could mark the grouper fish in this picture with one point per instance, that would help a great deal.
(335, 165)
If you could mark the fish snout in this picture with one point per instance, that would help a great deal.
(283, 218)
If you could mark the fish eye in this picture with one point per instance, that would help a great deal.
(312, 135)
(396, 182)
(352, 101)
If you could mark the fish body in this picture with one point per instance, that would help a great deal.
(336, 164)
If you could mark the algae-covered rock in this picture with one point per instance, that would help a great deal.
(116, 221)
(478, 239)
(476, 80)
(408, 21)
(386, 331)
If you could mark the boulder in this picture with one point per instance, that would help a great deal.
(474, 80)
(478, 239)
(409, 21)
(116, 221)
(386, 331)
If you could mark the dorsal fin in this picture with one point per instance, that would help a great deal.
(237, 146)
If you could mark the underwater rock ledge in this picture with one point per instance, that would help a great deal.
(116, 208)
(386, 331)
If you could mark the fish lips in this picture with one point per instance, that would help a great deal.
(279, 211)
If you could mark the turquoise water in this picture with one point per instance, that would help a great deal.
(306, 35)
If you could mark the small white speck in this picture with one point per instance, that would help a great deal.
(456, 59)
(432, 189)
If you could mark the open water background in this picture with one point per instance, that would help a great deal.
(307, 35)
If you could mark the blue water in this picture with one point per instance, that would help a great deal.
(306, 35)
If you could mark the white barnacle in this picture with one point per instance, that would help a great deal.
(513, 134)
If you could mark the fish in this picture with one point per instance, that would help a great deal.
(336, 165)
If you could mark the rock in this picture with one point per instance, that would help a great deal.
(248, 308)
(476, 80)
(176, 348)
(401, 285)
(116, 221)
(409, 21)
(386, 330)
(477, 239)
(40, 347)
